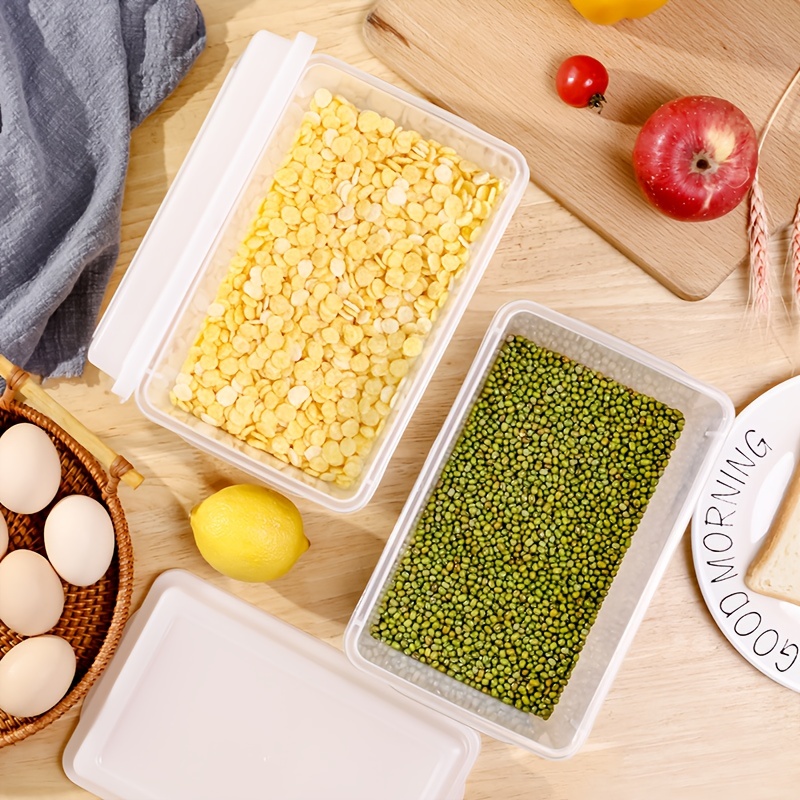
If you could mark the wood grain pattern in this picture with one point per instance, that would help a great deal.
(496, 67)
(686, 718)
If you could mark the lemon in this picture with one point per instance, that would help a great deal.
(249, 533)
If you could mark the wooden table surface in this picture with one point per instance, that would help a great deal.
(687, 717)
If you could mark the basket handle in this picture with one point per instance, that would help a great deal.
(17, 382)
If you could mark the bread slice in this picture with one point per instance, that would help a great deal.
(775, 571)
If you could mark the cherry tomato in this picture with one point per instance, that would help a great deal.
(582, 81)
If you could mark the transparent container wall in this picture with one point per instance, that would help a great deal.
(651, 546)
(359, 89)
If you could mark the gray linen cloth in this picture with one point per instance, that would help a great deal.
(75, 77)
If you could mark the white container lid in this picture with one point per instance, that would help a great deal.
(210, 697)
(172, 252)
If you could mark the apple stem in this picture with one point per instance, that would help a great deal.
(704, 164)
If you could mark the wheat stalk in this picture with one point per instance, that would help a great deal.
(758, 229)
(758, 232)
(794, 258)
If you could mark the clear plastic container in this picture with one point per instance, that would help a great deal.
(709, 416)
(170, 328)
(209, 697)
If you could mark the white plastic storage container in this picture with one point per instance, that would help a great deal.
(209, 697)
(156, 314)
(708, 416)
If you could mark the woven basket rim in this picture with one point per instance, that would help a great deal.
(125, 575)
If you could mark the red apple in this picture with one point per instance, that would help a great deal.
(696, 157)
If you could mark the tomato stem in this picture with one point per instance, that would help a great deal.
(596, 102)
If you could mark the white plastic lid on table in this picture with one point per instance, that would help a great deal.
(210, 697)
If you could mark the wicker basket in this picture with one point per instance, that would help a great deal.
(93, 616)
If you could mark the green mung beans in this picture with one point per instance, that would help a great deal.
(527, 525)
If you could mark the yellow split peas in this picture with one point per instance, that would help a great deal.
(327, 302)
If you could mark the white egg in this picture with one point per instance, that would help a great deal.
(35, 674)
(31, 595)
(3, 535)
(30, 469)
(79, 539)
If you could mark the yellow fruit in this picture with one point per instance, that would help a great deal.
(249, 533)
(609, 12)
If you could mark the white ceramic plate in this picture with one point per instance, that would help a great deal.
(735, 509)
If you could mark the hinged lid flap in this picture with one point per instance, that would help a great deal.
(251, 100)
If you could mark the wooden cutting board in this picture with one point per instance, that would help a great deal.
(494, 62)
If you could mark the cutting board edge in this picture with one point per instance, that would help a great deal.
(690, 294)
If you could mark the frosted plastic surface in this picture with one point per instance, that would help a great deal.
(213, 698)
(411, 112)
(709, 416)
